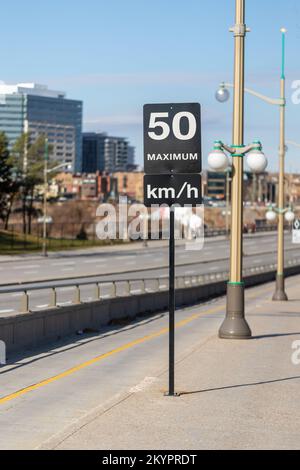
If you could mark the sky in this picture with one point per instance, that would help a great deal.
(117, 55)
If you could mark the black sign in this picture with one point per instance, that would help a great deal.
(172, 138)
(177, 189)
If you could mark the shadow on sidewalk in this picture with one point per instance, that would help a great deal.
(276, 315)
(276, 335)
(227, 387)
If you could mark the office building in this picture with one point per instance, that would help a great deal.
(93, 146)
(131, 165)
(216, 185)
(102, 152)
(28, 107)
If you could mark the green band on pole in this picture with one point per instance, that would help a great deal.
(236, 283)
(237, 155)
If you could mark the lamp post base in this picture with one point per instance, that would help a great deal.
(235, 325)
(279, 293)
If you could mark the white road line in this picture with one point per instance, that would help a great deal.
(67, 270)
(33, 266)
(64, 263)
(7, 311)
(30, 272)
(125, 257)
(213, 268)
(42, 306)
(61, 304)
(90, 261)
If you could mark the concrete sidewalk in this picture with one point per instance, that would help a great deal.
(234, 394)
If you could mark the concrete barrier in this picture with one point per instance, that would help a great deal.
(26, 331)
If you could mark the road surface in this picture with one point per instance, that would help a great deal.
(128, 262)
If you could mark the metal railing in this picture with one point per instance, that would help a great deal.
(126, 288)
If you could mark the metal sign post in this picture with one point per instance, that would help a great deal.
(172, 304)
(172, 161)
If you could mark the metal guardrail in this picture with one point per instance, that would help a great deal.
(210, 232)
(124, 288)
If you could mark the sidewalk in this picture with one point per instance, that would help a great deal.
(234, 394)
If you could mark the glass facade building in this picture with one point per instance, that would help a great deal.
(102, 152)
(93, 152)
(12, 116)
(34, 108)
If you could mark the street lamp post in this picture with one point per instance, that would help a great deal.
(46, 172)
(235, 324)
(280, 293)
(223, 95)
(46, 158)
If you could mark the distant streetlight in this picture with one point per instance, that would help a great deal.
(46, 172)
(222, 94)
(271, 215)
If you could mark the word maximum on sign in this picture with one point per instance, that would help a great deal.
(172, 156)
(180, 189)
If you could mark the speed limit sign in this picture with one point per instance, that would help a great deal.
(172, 161)
(172, 138)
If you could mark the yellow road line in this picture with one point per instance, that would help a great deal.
(126, 346)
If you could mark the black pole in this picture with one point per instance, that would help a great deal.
(172, 304)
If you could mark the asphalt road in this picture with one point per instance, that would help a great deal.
(127, 263)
